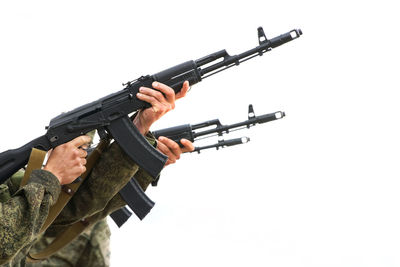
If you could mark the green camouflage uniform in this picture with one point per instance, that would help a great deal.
(91, 248)
(23, 211)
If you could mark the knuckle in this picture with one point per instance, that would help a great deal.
(75, 152)
(175, 146)
(158, 94)
(169, 91)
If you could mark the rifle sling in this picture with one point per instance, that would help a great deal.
(63, 239)
(35, 162)
(65, 195)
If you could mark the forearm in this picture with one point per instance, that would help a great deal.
(117, 201)
(113, 171)
(108, 176)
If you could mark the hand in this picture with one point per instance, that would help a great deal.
(161, 102)
(67, 161)
(171, 149)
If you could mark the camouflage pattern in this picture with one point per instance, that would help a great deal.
(23, 214)
(98, 196)
(91, 248)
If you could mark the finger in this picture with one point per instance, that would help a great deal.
(149, 99)
(183, 91)
(77, 171)
(187, 145)
(80, 153)
(83, 161)
(84, 147)
(154, 93)
(166, 151)
(168, 91)
(172, 146)
(81, 140)
(83, 169)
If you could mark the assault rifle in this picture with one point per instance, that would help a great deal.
(110, 114)
(192, 133)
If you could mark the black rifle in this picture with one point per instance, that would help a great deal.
(110, 114)
(190, 132)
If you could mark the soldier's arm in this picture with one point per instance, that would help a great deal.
(24, 210)
(109, 175)
(23, 214)
(110, 182)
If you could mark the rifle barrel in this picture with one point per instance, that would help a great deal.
(248, 123)
(230, 61)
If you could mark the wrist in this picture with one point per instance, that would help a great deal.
(140, 124)
(46, 168)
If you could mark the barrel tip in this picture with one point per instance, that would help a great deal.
(245, 139)
(296, 33)
(279, 114)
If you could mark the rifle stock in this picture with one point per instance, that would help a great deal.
(14, 159)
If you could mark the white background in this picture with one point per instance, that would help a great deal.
(317, 188)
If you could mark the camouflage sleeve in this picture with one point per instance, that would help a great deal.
(144, 180)
(22, 216)
(111, 173)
